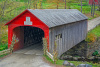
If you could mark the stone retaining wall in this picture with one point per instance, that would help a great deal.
(84, 49)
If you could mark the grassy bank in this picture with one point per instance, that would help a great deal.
(60, 62)
(95, 31)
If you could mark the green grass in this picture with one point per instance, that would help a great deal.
(60, 62)
(96, 31)
(3, 55)
(3, 46)
(4, 37)
(79, 62)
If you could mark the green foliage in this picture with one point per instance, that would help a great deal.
(23, 4)
(95, 53)
(3, 37)
(3, 46)
(44, 1)
(3, 55)
(58, 62)
(47, 58)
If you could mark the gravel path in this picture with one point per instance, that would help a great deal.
(28, 57)
(93, 23)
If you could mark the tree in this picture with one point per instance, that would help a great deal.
(2, 7)
(7, 4)
(57, 3)
(81, 6)
(40, 4)
(65, 4)
(69, 4)
(93, 8)
(99, 5)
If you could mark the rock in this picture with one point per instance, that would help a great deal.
(84, 65)
(67, 57)
(79, 58)
(91, 58)
(66, 63)
(72, 65)
(99, 58)
(75, 58)
(83, 58)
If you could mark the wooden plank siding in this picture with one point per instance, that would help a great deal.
(72, 34)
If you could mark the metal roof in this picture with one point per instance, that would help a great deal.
(56, 17)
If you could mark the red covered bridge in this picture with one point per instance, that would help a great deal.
(67, 27)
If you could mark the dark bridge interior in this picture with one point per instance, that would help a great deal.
(32, 35)
(27, 36)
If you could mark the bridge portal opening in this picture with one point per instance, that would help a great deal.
(28, 36)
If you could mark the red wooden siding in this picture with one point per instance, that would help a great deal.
(19, 21)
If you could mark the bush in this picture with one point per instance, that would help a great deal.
(3, 46)
(91, 37)
(95, 53)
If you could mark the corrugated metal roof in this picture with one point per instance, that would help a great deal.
(56, 17)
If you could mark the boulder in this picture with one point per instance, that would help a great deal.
(72, 65)
(84, 65)
(66, 63)
(75, 58)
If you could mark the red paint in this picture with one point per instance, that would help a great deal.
(19, 32)
(91, 1)
(19, 21)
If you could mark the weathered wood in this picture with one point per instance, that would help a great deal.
(49, 55)
(7, 51)
(72, 34)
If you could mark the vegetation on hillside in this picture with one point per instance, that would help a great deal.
(96, 31)
(8, 11)
(3, 37)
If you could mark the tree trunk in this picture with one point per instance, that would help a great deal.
(57, 3)
(65, 4)
(92, 9)
(81, 6)
(99, 5)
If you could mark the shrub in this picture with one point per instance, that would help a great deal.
(3, 46)
(91, 37)
(95, 53)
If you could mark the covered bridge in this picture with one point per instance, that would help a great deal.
(67, 27)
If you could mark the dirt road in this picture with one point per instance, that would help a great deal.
(27, 57)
